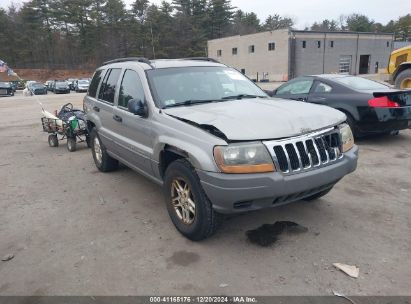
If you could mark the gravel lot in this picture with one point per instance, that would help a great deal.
(76, 231)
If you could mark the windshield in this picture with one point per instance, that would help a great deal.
(189, 85)
(359, 83)
(62, 83)
(83, 82)
(4, 84)
(37, 85)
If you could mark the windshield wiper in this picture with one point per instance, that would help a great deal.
(241, 96)
(189, 103)
(200, 101)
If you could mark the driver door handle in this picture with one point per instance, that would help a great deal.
(97, 109)
(117, 118)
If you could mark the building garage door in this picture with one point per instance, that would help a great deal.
(345, 64)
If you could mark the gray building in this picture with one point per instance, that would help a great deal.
(401, 44)
(284, 54)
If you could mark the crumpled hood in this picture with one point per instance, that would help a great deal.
(258, 119)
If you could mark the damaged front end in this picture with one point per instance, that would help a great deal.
(208, 128)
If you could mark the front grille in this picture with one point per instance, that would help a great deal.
(306, 152)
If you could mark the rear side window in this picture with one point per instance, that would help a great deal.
(302, 86)
(323, 88)
(92, 90)
(131, 88)
(108, 87)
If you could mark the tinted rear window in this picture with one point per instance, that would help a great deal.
(359, 83)
(92, 91)
(108, 87)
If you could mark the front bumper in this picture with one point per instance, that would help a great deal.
(232, 193)
(40, 92)
(62, 91)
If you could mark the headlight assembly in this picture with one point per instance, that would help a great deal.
(243, 158)
(347, 138)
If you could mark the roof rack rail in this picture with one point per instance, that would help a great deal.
(201, 59)
(139, 59)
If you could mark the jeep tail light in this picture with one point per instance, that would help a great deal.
(382, 102)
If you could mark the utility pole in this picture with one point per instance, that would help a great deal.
(152, 40)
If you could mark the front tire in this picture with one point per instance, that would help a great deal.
(103, 161)
(187, 204)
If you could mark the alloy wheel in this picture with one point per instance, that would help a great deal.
(182, 201)
(97, 150)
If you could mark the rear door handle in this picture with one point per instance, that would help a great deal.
(117, 118)
(97, 109)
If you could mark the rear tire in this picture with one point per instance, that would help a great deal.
(53, 140)
(403, 80)
(200, 220)
(88, 141)
(317, 195)
(103, 161)
(353, 125)
(71, 144)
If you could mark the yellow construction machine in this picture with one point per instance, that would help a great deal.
(399, 68)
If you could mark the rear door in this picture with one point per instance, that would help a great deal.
(133, 132)
(104, 107)
(297, 89)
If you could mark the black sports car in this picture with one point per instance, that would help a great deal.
(6, 89)
(370, 106)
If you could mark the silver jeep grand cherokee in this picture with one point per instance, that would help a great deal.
(213, 139)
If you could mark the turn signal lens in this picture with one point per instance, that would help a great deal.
(382, 102)
(347, 137)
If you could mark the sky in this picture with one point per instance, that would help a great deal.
(306, 12)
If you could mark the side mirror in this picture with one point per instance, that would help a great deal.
(137, 107)
(270, 93)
